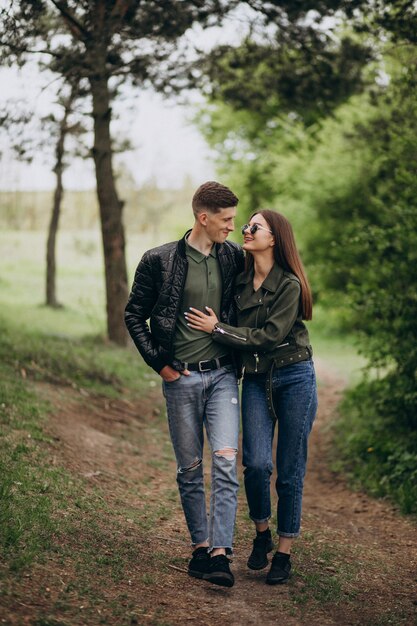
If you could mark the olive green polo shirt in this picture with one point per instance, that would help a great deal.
(203, 287)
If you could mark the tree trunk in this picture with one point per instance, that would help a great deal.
(51, 299)
(110, 213)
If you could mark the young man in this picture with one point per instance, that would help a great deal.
(198, 375)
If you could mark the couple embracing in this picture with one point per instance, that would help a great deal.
(203, 314)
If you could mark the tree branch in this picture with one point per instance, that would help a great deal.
(121, 7)
(75, 26)
(53, 54)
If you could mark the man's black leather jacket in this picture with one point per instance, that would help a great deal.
(156, 297)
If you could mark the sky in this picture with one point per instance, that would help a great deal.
(167, 145)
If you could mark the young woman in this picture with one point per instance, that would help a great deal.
(272, 298)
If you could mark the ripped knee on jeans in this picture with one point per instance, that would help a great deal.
(228, 453)
(190, 468)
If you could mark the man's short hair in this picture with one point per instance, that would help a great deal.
(213, 197)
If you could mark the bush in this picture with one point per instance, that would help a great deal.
(375, 445)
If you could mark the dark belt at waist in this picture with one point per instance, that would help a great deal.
(210, 364)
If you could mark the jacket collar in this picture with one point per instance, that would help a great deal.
(181, 245)
(271, 282)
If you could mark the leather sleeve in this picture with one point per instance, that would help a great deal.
(142, 299)
(238, 265)
(280, 319)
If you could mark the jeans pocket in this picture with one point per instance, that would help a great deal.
(171, 382)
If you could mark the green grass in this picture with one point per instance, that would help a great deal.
(80, 280)
(33, 492)
(89, 363)
(338, 350)
(27, 482)
(49, 516)
(64, 347)
(80, 288)
(326, 580)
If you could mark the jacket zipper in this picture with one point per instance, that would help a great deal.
(226, 332)
(256, 361)
(178, 308)
(223, 282)
(281, 345)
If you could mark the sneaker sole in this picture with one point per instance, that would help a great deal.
(257, 567)
(278, 581)
(224, 580)
(195, 574)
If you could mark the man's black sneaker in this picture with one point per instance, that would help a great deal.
(219, 571)
(262, 544)
(199, 564)
(280, 570)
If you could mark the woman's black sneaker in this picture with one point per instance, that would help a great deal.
(280, 570)
(262, 544)
(219, 571)
(199, 564)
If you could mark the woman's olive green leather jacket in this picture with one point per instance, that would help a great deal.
(270, 329)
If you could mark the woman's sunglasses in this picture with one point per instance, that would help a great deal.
(254, 228)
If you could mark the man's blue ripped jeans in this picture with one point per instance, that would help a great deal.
(210, 399)
(295, 401)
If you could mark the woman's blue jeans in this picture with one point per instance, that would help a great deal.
(209, 399)
(295, 401)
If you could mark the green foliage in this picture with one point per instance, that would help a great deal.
(348, 185)
(399, 18)
(254, 158)
(368, 234)
(303, 72)
(375, 448)
(365, 254)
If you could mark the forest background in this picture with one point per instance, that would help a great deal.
(314, 118)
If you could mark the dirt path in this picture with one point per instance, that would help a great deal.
(354, 564)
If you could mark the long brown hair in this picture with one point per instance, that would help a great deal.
(286, 255)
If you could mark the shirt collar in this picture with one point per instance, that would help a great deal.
(196, 255)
